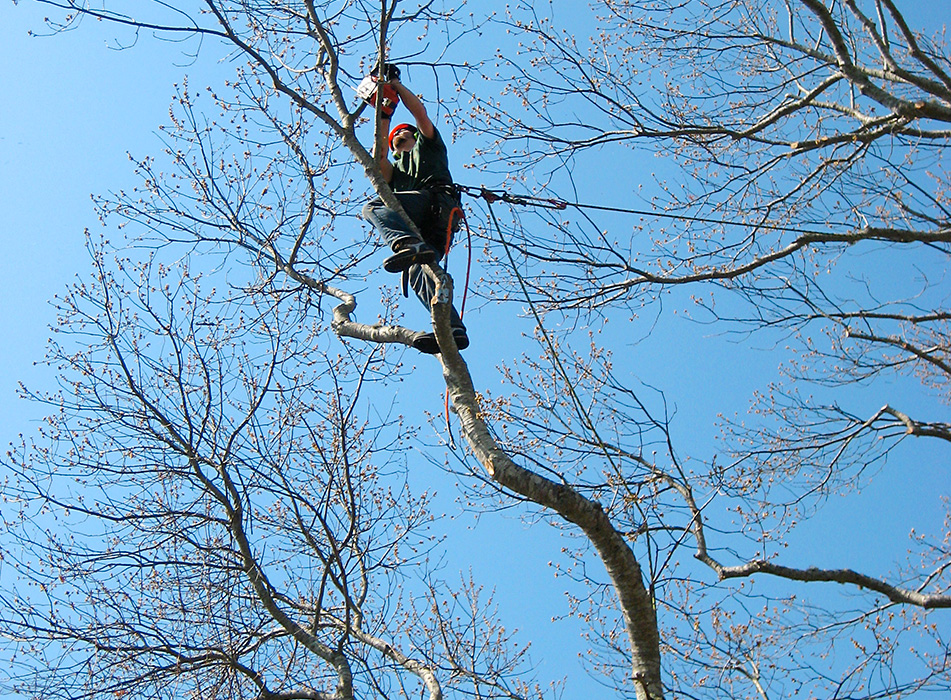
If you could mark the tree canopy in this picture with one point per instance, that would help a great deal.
(219, 503)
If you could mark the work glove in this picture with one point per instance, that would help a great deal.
(390, 72)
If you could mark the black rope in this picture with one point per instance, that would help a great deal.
(583, 413)
(491, 196)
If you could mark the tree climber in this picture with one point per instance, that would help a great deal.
(420, 179)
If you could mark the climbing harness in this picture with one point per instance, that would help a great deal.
(442, 213)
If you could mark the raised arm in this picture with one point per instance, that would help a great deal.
(416, 108)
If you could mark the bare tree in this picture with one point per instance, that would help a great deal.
(240, 533)
(803, 201)
(237, 525)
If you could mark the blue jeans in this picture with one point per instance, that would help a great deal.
(418, 205)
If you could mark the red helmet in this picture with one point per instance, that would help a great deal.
(401, 127)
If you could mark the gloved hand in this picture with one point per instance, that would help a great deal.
(390, 72)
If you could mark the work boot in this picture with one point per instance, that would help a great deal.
(408, 253)
(426, 342)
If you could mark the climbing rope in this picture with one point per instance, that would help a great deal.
(492, 196)
(583, 413)
(457, 211)
(449, 240)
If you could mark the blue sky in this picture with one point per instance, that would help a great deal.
(72, 108)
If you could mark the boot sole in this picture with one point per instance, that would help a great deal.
(426, 343)
(405, 260)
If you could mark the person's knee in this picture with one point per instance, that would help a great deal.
(371, 208)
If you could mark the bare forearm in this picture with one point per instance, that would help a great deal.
(415, 107)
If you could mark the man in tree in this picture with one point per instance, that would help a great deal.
(420, 178)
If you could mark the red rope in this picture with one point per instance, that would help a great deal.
(462, 216)
(465, 290)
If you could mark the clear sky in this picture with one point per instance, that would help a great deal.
(71, 109)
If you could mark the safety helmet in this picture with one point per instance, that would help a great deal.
(402, 127)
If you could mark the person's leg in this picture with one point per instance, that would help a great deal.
(411, 253)
(408, 247)
(425, 289)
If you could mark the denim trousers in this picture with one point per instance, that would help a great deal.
(418, 205)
